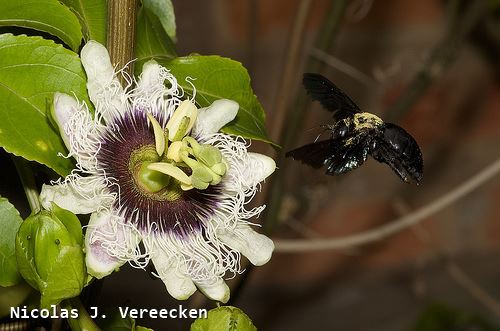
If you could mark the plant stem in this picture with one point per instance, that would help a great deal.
(83, 322)
(28, 181)
(122, 20)
(296, 114)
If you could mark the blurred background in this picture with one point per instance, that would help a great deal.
(432, 66)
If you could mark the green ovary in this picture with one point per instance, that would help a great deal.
(150, 181)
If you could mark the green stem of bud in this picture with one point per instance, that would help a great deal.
(28, 181)
(83, 322)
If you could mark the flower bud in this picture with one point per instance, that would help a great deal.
(50, 256)
(224, 318)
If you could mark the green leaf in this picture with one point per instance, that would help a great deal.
(441, 317)
(44, 15)
(49, 258)
(143, 328)
(31, 70)
(222, 78)
(164, 10)
(92, 16)
(9, 223)
(152, 42)
(225, 318)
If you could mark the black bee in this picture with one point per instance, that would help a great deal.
(355, 135)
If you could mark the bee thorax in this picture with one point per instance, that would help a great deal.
(366, 120)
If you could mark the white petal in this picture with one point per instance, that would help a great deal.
(151, 77)
(66, 196)
(65, 106)
(257, 168)
(218, 291)
(255, 246)
(180, 286)
(106, 242)
(105, 90)
(213, 118)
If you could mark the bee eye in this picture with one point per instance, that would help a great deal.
(341, 130)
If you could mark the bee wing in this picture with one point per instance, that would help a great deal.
(315, 154)
(400, 151)
(339, 155)
(329, 95)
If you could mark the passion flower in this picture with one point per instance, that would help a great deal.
(162, 183)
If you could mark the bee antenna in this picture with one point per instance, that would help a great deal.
(325, 128)
(311, 129)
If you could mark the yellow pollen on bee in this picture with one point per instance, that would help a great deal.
(366, 120)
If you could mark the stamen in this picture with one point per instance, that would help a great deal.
(186, 109)
(159, 135)
(171, 170)
(174, 152)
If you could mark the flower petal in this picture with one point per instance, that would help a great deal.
(180, 286)
(107, 243)
(157, 90)
(151, 77)
(218, 291)
(105, 90)
(255, 246)
(257, 168)
(82, 195)
(213, 118)
(65, 106)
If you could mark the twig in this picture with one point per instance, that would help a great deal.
(120, 42)
(293, 117)
(301, 229)
(341, 66)
(393, 226)
(473, 288)
(442, 55)
(290, 71)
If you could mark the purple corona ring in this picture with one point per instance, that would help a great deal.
(160, 181)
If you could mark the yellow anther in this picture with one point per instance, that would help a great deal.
(186, 109)
(159, 135)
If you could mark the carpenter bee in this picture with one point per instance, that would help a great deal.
(354, 135)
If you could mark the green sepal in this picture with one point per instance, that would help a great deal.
(226, 318)
(70, 221)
